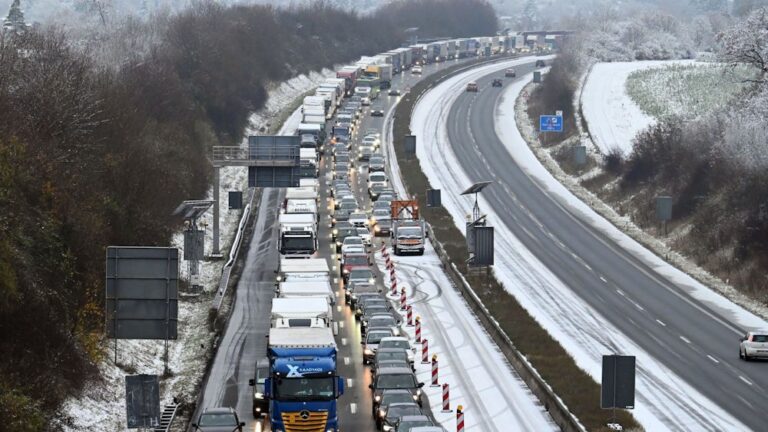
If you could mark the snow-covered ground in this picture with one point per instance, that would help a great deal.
(663, 399)
(493, 396)
(613, 118)
(101, 406)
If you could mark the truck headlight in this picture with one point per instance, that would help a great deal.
(258, 395)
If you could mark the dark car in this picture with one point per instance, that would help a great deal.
(342, 233)
(394, 92)
(260, 401)
(394, 411)
(371, 343)
(368, 301)
(385, 85)
(377, 113)
(356, 291)
(385, 356)
(383, 227)
(339, 226)
(510, 73)
(381, 320)
(540, 63)
(497, 83)
(218, 420)
(406, 423)
(392, 396)
(401, 378)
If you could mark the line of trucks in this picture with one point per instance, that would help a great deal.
(297, 384)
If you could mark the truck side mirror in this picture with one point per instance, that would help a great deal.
(251, 382)
(340, 386)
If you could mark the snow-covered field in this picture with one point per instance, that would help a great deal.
(688, 90)
(493, 396)
(101, 407)
(663, 398)
(613, 118)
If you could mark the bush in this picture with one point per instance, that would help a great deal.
(613, 162)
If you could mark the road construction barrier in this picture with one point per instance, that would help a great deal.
(418, 329)
(409, 315)
(446, 399)
(434, 371)
(402, 298)
(394, 287)
(424, 351)
(459, 418)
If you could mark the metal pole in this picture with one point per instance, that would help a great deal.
(167, 308)
(216, 180)
(114, 311)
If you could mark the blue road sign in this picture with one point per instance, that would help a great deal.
(550, 123)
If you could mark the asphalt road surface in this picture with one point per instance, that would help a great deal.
(686, 335)
(244, 339)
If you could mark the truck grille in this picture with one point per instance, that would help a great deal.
(314, 421)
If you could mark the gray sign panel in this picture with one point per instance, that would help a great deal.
(142, 291)
(434, 198)
(580, 155)
(409, 142)
(235, 200)
(483, 246)
(536, 76)
(142, 401)
(278, 177)
(663, 208)
(194, 245)
(618, 386)
(277, 148)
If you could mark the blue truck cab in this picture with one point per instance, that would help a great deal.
(303, 385)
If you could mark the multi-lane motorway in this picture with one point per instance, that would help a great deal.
(695, 340)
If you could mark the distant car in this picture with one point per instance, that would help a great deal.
(260, 402)
(754, 345)
(540, 63)
(497, 83)
(376, 163)
(365, 101)
(218, 420)
(394, 92)
(510, 73)
(377, 113)
(393, 378)
(385, 85)
(416, 70)
(472, 87)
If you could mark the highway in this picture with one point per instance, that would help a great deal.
(693, 339)
(244, 339)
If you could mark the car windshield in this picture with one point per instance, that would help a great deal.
(375, 337)
(403, 410)
(348, 206)
(363, 231)
(346, 232)
(356, 260)
(304, 388)
(381, 212)
(391, 355)
(382, 321)
(370, 309)
(378, 178)
(360, 274)
(223, 419)
(396, 344)
(408, 425)
(403, 381)
(395, 397)
(353, 241)
(760, 338)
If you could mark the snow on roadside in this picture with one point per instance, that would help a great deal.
(493, 396)
(101, 406)
(613, 118)
(663, 398)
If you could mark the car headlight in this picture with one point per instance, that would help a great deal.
(377, 228)
(367, 351)
(279, 278)
(371, 281)
(381, 413)
(335, 231)
(338, 243)
(377, 398)
(258, 395)
(345, 271)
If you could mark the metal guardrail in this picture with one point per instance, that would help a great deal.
(552, 403)
(280, 156)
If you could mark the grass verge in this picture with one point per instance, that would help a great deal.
(574, 386)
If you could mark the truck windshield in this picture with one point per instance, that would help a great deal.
(298, 243)
(320, 388)
(409, 232)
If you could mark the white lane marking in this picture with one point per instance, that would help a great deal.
(341, 324)
(349, 382)
(338, 308)
(588, 267)
(637, 305)
(713, 359)
(353, 408)
(620, 292)
(685, 339)
(346, 361)
(344, 341)
(661, 322)
(603, 279)
(745, 380)
(335, 328)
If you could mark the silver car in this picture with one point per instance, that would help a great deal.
(754, 345)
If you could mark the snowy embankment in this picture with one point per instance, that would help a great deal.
(492, 394)
(614, 119)
(101, 407)
(664, 402)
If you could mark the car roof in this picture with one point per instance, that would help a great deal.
(395, 370)
(415, 418)
(398, 338)
(219, 410)
(403, 391)
(427, 429)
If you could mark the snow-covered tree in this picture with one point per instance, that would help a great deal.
(14, 22)
(747, 43)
